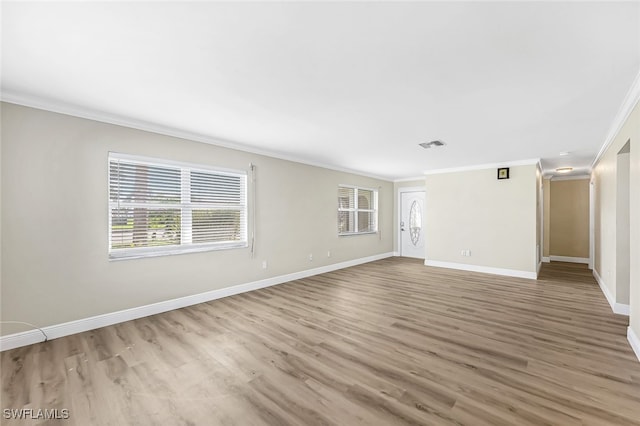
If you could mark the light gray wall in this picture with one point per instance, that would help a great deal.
(495, 219)
(634, 214)
(1, 106)
(55, 217)
(605, 177)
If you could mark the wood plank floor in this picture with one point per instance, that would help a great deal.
(389, 342)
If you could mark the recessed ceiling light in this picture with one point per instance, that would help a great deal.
(564, 169)
(563, 153)
(427, 145)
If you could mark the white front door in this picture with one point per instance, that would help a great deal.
(412, 224)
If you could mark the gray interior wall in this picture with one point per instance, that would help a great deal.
(494, 219)
(55, 220)
(605, 180)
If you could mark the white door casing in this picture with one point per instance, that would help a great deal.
(411, 226)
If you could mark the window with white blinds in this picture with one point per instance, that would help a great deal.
(357, 210)
(161, 207)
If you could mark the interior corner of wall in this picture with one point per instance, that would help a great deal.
(633, 336)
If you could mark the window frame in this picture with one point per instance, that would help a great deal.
(185, 206)
(356, 210)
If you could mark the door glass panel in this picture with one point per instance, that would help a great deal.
(415, 222)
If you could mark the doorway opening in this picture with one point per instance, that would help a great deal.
(623, 219)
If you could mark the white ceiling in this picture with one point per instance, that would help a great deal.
(350, 85)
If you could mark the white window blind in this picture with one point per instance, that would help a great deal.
(357, 210)
(161, 207)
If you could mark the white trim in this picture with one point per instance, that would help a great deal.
(411, 189)
(185, 206)
(634, 341)
(165, 162)
(569, 177)
(569, 259)
(484, 166)
(592, 226)
(546, 259)
(628, 104)
(621, 309)
(356, 210)
(419, 178)
(341, 185)
(119, 255)
(399, 211)
(65, 329)
(605, 289)
(103, 117)
(484, 269)
(538, 269)
(617, 308)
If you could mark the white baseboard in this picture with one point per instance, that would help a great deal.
(546, 259)
(634, 341)
(396, 253)
(604, 288)
(617, 308)
(483, 269)
(621, 309)
(570, 259)
(538, 269)
(65, 329)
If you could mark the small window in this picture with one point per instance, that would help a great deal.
(357, 210)
(160, 207)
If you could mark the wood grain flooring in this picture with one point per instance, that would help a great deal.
(385, 343)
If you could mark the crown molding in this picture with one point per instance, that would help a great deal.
(528, 162)
(630, 100)
(409, 179)
(103, 117)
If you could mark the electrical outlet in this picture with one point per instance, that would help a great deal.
(264, 264)
(463, 253)
(328, 254)
(468, 252)
(311, 257)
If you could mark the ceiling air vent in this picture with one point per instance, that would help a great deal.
(427, 145)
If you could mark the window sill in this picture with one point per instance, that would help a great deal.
(128, 254)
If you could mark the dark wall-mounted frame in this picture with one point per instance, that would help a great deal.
(503, 173)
